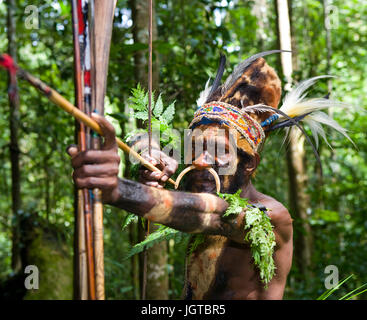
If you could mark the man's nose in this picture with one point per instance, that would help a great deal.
(205, 160)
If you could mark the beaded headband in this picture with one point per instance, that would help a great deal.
(225, 113)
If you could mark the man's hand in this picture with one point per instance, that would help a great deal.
(166, 164)
(159, 159)
(98, 168)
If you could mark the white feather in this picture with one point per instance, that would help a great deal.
(314, 121)
(316, 129)
(204, 94)
(295, 104)
(256, 107)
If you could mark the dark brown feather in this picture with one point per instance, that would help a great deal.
(258, 84)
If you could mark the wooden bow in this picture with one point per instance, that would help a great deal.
(102, 13)
(90, 248)
(91, 55)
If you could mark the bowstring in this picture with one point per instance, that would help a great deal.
(150, 85)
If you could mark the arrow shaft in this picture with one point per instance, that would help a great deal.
(60, 101)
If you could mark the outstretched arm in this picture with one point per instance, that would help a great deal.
(188, 212)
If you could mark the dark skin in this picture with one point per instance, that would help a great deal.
(222, 266)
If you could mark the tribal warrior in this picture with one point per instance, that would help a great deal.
(244, 107)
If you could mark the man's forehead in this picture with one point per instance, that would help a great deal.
(215, 134)
(221, 133)
(211, 130)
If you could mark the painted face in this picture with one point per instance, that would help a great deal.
(215, 146)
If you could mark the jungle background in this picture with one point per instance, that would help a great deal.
(36, 189)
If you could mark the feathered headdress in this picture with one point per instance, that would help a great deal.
(248, 101)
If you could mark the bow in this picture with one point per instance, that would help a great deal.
(90, 87)
(100, 31)
(91, 55)
(84, 247)
(64, 104)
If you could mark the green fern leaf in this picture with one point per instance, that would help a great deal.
(142, 115)
(158, 107)
(130, 218)
(259, 234)
(169, 113)
(163, 233)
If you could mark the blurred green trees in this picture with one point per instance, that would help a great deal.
(191, 35)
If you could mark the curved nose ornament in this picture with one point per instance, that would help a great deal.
(192, 167)
(204, 161)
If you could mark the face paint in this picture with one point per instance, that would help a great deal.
(214, 147)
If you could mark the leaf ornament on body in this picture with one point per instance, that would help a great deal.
(259, 233)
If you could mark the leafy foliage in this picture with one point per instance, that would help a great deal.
(163, 233)
(259, 233)
(129, 218)
(161, 120)
(161, 117)
(236, 203)
(262, 239)
(198, 239)
(350, 295)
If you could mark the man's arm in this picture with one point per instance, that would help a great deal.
(188, 212)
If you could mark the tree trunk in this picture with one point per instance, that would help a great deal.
(140, 15)
(260, 12)
(157, 276)
(14, 146)
(299, 202)
(298, 199)
(328, 43)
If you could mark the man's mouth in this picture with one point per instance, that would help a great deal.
(202, 175)
(201, 181)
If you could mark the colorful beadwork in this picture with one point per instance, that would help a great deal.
(222, 112)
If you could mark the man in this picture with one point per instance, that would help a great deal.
(222, 266)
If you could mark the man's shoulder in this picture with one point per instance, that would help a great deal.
(279, 216)
(277, 212)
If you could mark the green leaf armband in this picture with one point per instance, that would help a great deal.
(260, 234)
